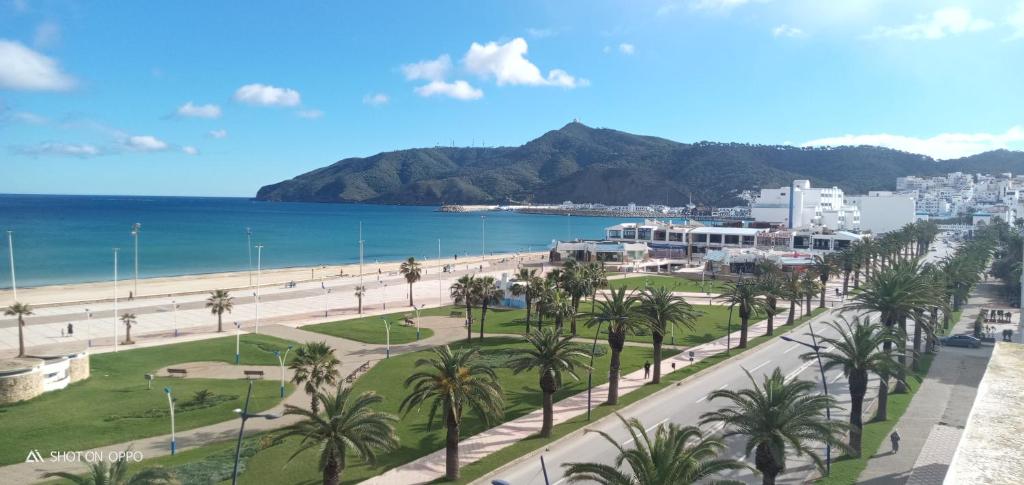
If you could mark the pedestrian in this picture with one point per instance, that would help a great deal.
(894, 437)
(71, 329)
(673, 366)
(647, 369)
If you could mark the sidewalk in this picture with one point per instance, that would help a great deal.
(933, 423)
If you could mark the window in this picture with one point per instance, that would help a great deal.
(840, 245)
(748, 240)
(614, 234)
(732, 239)
(801, 242)
(643, 234)
(629, 234)
(822, 244)
(675, 236)
(660, 235)
(715, 238)
(701, 238)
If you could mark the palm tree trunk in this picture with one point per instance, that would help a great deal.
(658, 338)
(314, 405)
(469, 320)
(918, 327)
(935, 325)
(901, 348)
(846, 282)
(572, 320)
(21, 336)
(765, 463)
(528, 310)
(808, 304)
(127, 333)
(856, 279)
(451, 459)
(616, 340)
(792, 312)
(220, 322)
(547, 385)
(332, 472)
(882, 412)
(483, 316)
(360, 305)
(410, 294)
(858, 387)
(821, 304)
(743, 331)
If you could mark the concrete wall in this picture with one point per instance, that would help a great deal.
(880, 214)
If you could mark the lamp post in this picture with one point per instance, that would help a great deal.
(248, 245)
(280, 361)
(136, 228)
(259, 266)
(728, 332)
(10, 252)
(88, 327)
(387, 336)
(170, 403)
(483, 240)
(590, 372)
(238, 343)
(824, 384)
(440, 284)
(174, 312)
(418, 320)
(115, 299)
(244, 414)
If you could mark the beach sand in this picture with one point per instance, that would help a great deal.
(187, 284)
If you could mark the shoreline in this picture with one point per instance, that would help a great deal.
(165, 286)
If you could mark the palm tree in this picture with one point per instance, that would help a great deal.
(748, 301)
(823, 267)
(777, 417)
(857, 350)
(105, 472)
(621, 312)
(20, 310)
(809, 287)
(315, 366)
(576, 283)
(457, 381)
(348, 425)
(522, 288)
(791, 288)
(546, 289)
(676, 455)
(218, 303)
(771, 286)
(559, 306)
(463, 292)
(360, 292)
(487, 294)
(411, 270)
(598, 279)
(553, 356)
(663, 312)
(129, 321)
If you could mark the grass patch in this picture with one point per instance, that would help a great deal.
(114, 406)
(522, 396)
(846, 470)
(672, 282)
(506, 455)
(370, 330)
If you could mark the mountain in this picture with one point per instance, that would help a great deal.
(585, 164)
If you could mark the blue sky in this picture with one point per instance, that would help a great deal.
(219, 98)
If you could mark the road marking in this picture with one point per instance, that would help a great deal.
(655, 425)
(723, 386)
(791, 348)
(760, 366)
(839, 376)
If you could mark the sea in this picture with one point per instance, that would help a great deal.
(61, 239)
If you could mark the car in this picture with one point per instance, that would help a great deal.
(961, 341)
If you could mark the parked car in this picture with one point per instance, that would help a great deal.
(961, 341)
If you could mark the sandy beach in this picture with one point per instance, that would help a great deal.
(200, 283)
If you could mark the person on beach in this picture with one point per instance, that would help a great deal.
(71, 329)
(647, 370)
(895, 439)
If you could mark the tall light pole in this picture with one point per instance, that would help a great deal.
(135, 233)
(238, 343)
(824, 384)
(590, 372)
(244, 414)
(88, 327)
(418, 320)
(483, 240)
(10, 252)
(170, 403)
(387, 334)
(174, 311)
(248, 246)
(259, 267)
(360, 254)
(115, 299)
(280, 360)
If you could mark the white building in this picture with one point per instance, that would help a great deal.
(884, 211)
(668, 240)
(802, 205)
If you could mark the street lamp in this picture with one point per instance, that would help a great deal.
(115, 299)
(418, 320)
(728, 331)
(135, 233)
(590, 372)
(170, 403)
(238, 341)
(824, 384)
(248, 245)
(244, 414)
(259, 266)
(174, 311)
(280, 361)
(387, 334)
(483, 239)
(88, 327)
(10, 252)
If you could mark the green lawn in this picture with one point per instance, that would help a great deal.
(672, 282)
(370, 330)
(846, 470)
(114, 406)
(386, 378)
(713, 323)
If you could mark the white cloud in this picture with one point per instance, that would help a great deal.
(942, 146)
(81, 150)
(627, 49)
(199, 111)
(459, 90)
(190, 150)
(539, 33)
(310, 114)
(940, 23)
(432, 70)
(145, 143)
(47, 35)
(1016, 22)
(22, 68)
(219, 134)
(508, 65)
(788, 31)
(266, 95)
(376, 99)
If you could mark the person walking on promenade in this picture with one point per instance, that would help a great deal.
(71, 329)
(894, 437)
(647, 370)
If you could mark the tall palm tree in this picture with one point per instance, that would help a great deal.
(115, 472)
(412, 272)
(771, 286)
(129, 321)
(487, 294)
(360, 293)
(315, 366)
(348, 425)
(809, 287)
(823, 266)
(858, 351)
(559, 307)
(463, 292)
(522, 288)
(576, 283)
(663, 312)
(20, 310)
(621, 312)
(747, 299)
(553, 356)
(598, 279)
(546, 288)
(777, 417)
(220, 301)
(791, 288)
(456, 381)
(676, 455)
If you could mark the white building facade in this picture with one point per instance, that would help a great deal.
(884, 211)
(801, 205)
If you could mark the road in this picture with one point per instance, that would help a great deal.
(685, 403)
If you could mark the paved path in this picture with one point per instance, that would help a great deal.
(933, 423)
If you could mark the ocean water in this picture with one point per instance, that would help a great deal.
(70, 239)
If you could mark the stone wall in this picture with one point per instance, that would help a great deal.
(19, 387)
(78, 367)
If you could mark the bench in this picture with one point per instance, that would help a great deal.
(457, 313)
(253, 374)
(177, 372)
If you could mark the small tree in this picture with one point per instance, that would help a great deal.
(412, 272)
(553, 356)
(20, 310)
(220, 301)
(129, 321)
